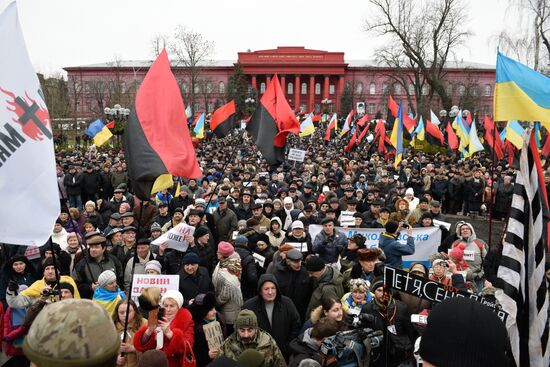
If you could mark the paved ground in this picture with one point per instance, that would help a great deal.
(481, 226)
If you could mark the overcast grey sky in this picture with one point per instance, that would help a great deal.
(63, 33)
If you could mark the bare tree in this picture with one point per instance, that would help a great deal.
(76, 89)
(192, 51)
(427, 33)
(158, 43)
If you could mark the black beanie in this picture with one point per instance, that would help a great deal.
(463, 332)
(314, 263)
(46, 263)
(391, 226)
(199, 232)
(65, 285)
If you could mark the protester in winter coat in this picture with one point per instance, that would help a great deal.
(307, 345)
(108, 294)
(366, 267)
(194, 279)
(415, 304)
(326, 281)
(393, 249)
(474, 252)
(17, 269)
(177, 330)
(204, 312)
(227, 283)
(128, 355)
(275, 233)
(276, 313)
(329, 243)
(225, 219)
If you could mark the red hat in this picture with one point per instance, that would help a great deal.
(458, 252)
(225, 249)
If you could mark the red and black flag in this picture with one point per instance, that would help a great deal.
(451, 138)
(433, 134)
(271, 122)
(363, 133)
(409, 124)
(331, 129)
(384, 143)
(546, 147)
(492, 138)
(223, 119)
(352, 141)
(157, 140)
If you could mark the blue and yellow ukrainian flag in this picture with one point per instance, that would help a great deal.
(514, 133)
(521, 93)
(199, 127)
(462, 131)
(307, 128)
(419, 132)
(99, 132)
(397, 136)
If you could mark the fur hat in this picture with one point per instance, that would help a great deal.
(368, 254)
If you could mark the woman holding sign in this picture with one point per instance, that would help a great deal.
(170, 329)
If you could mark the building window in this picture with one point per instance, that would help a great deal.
(411, 90)
(208, 87)
(487, 90)
(197, 88)
(210, 107)
(372, 108)
(385, 88)
(184, 87)
(317, 108)
(424, 90)
(290, 88)
(304, 88)
(197, 107)
(461, 90)
(450, 90)
(486, 110)
(372, 88)
(359, 89)
(331, 89)
(473, 90)
(317, 88)
(221, 87)
(262, 87)
(89, 106)
(397, 88)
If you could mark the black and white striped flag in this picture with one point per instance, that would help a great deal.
(524, 294)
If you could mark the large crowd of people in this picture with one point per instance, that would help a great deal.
(280, 296)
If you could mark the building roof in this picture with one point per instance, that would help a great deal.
(455, 64)
(230, 63)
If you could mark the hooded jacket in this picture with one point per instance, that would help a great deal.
(276, 238)
(303, 347)
(479, 248)
(394, 250)
(329, 284)
(26, 278)
(286, 322)
(296, 285)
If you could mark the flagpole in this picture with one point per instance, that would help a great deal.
(134, 260)
(492, 185)
(57, 278)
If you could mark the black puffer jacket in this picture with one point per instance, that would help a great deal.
(249, 276)
(296, 285)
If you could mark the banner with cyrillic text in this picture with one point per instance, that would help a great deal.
(426, 240)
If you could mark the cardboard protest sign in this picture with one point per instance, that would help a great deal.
(296, 155)
(426, 240)
(347, 219)
(176, 237)
(164, 282)
(432, 291)
(213, 334)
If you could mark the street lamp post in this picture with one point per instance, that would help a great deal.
(326, 105)
(250, 102)
(120, 115)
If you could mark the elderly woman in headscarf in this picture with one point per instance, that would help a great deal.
(173, 333)
(358, 296)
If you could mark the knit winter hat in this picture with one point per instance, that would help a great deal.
(314, 263)
(156, 227)
(241, 223)
(172, 294)
(285, 247)
(458, 252)
(288, 200)
(153, 265)
(225, 249)
(190, 258)
(463, 332)
(108, 276)
(241, 240)
(201, 231)
(246, 319)
(377, 283)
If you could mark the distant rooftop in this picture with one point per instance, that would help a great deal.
(229, 63)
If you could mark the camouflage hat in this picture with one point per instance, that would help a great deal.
(66, 333)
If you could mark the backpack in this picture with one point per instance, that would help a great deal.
(344, 349)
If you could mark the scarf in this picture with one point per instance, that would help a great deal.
(233, 266)
(108, 299)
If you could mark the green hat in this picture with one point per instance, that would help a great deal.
(251, 358)
(65, 334)
(246, 319)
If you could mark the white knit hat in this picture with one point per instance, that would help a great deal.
(172, 294)
(108, 276)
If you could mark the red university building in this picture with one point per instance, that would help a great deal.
(311, 79)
